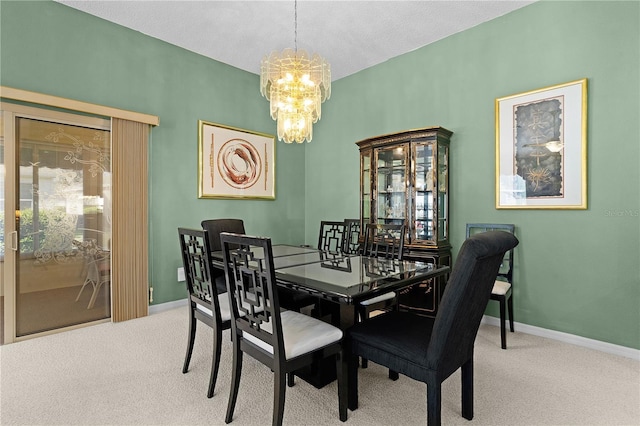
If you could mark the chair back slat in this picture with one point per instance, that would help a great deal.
(465, 298)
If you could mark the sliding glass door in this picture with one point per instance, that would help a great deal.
(58, 221)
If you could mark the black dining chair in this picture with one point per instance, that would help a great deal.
(384, 240)
(331, 236)
(205, 304)
(214, 228)
(431, 349)
(330, 240)
(351, 243)
(282, 340)
(387, 241)
(503, 287)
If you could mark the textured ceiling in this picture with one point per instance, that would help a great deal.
(351, 35)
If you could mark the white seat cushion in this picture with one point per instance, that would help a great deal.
(302, 334)
(381, 298)
(225, 309)
(500, 287)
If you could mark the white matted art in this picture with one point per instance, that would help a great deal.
(541, 148)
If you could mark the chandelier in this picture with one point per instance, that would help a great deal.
(296, 84)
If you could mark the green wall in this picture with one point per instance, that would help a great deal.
(50, 48)
(577, 271)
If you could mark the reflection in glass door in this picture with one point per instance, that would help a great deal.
(63, 221)
(391, 187)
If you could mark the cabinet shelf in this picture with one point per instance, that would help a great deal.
(396, 167)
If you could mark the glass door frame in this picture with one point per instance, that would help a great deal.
(423, 188)
(10, 112)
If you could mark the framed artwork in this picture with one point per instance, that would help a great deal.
(541, 148)
(235, 163)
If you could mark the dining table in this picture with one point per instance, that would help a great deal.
(342, 280)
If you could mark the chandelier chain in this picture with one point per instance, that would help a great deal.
(295, 25)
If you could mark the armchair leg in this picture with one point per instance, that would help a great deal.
(190, 340)
(352, 377)
(393, 375)
(510, 307)
(503, 328)
(341, 372)
(467, 389)
(94, 295)
(235, 379)
(279, 389)
(434, 400)
(215, 363)
(87, 281)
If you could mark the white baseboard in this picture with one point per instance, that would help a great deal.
(154, 309)
(569, 338)
(523, 328)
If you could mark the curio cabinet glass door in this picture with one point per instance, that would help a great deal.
(391, 184)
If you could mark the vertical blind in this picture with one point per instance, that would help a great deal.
(129, 269)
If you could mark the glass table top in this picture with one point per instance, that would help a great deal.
(356, 277)
(339, 276)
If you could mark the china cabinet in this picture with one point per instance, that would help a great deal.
(404, 178)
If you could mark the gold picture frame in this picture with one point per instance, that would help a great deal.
(541, 148)
(235, 163)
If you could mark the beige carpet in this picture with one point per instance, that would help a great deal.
(130, 374)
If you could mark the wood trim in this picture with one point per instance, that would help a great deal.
(9, 270)
(71, 104)
(60, 330)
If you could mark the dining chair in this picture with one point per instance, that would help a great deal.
(282, 340)
(330, 239)
(384, 240)
(205, 304)
(351, 243)
(431, 349)
(331, 236)
(381, 240)
(387, 241)
(503, 287)
(214, 228)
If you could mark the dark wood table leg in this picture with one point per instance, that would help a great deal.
(347, 316)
